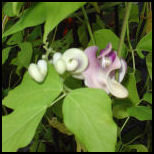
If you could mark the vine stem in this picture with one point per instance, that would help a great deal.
(49, 49)
(58, 99)
(124, 124)
(54, 35)
(130, 46)
(141, 21)
(123, 32)
(88, 25)
(123, 127)
(122, 36)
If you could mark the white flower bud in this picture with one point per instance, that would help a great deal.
(60, 66)
(42, 65)
(56, 57)
(38, 71)
(76, 60)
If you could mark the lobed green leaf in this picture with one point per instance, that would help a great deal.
(87, 114)
(29, 102)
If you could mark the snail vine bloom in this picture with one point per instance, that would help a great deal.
(100, 72)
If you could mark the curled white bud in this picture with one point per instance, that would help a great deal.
(56, 57)
(72, 65)
(60, 66)
(76, 60)
(38, 71)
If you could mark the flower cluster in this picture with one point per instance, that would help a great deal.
(96, 71)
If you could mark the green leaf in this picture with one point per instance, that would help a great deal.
(130, 83)
(8, 9)
(120, 109)
(87, 114)
(82, 34)
(35, 34)
(138, 148)
(12, 9)
(149, 64)
(148, 97)
(44, 12)
(140, 112)
(104, 36)
(120, 105)
(63, 9)
(17, 7)
(134, 14)
(29, 101)
(15, 39)
(24, 56)
(144, 44)
(5, 54)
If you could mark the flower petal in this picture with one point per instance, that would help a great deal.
(94, 75)
(122, 70)
(116, 89)
(116, 64)
(105, 51)
(112, 55)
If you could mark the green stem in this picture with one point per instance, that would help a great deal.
(124, 124)
(80, 19)
(130, 142)
(54, 35)
(58, 99)
(49, 49)
(67, 88)
(88, 25)
(130, 47)
(122, 36)
(141, 21)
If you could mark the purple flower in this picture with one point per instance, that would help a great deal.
(100, 72)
